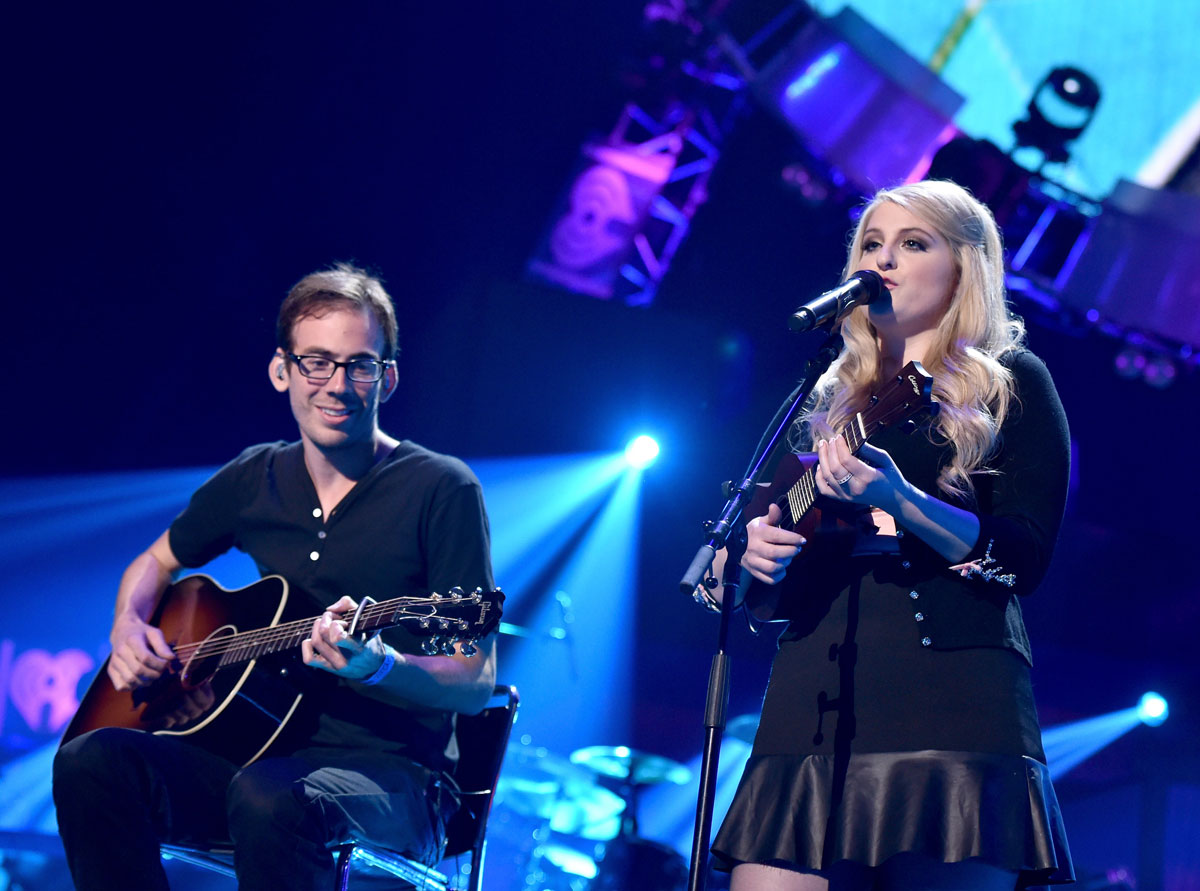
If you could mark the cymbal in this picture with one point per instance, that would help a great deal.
(639, 768)
(538, 762)
(537, 783)
(594, 814)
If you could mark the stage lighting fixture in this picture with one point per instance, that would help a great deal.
(1059, 111)
(1152, 709)
(641, 452)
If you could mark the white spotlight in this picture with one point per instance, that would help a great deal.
(1152, 709)
(641, 452)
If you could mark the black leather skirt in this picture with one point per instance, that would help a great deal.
(809, 812)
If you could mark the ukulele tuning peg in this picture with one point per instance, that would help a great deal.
(468, 648)
(443, 624)
(456, 592)
(429, 646)
(448, 648)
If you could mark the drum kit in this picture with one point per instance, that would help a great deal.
(573, 820)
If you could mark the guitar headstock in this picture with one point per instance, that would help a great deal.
(450, 621)
(899, 400)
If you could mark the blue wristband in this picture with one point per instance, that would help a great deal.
(381, 672)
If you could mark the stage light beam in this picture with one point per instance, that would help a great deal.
(641, 452)
(1069, 744)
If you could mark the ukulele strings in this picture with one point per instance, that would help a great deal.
(802, 494)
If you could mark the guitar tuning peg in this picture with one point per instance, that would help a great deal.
(448, 648)
(429, 646)
(443, 623)
(468, 648)
(456, 591)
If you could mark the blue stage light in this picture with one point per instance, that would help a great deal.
(641, 452)
(1152, 709)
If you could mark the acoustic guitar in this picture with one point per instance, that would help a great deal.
(256, 676)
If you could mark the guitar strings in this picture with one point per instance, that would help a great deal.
(260, 641)
(296, 629)
(246, 645)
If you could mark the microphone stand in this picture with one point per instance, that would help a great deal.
(719, 534)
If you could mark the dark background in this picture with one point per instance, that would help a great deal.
(173, 170)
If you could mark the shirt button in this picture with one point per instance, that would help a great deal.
(314, 556)
(904, 564)
(316, 511)
(926, 642)
(899, 533)
(321, 534)
(920, 617)
(913, 595)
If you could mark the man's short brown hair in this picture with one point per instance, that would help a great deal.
(342, 285)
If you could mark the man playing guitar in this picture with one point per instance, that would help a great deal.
(345, 513)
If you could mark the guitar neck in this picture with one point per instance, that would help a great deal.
(245, 646)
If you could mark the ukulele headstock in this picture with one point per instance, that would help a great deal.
(899, 400)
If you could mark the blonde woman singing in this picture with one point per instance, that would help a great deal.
(899, 746)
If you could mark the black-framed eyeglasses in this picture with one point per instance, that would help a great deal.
(322, 368)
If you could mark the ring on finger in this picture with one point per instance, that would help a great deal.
(845, 479)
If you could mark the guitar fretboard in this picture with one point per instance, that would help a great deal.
(429, 612)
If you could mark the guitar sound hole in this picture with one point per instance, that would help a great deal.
(207, 659)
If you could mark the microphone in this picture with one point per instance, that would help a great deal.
(859, 289)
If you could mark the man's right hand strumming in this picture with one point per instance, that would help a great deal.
(140, 653)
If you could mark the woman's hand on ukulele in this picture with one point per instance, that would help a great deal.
(843, 477)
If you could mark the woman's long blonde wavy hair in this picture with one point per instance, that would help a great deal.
(974, 388)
